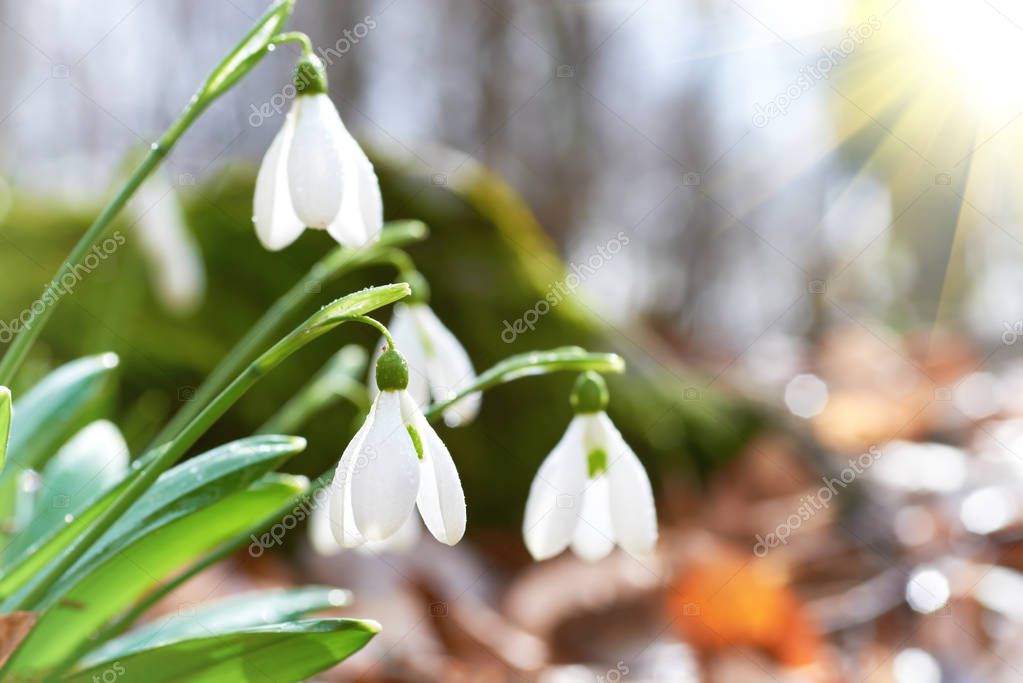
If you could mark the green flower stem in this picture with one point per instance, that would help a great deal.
(567, 359)
(347, 309)
(336, 263)
(380, 326)
(239, 62)
(294, 37)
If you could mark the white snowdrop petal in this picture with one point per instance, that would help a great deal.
(339, 504)
(361, 216)
(441, 500)
(385, 482)
(404, 539)
(633, 515)
(555, 497)
(448, 367)
(276, 223)
(168, 247)
(594, 536)
(315, 166)
(321, 533)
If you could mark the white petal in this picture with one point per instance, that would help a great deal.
(633, 515)
(277, 225)
(594, 535)
(555, 497)
(321, 533)
(448, 367)
(441, 500)
(406, 337)
(385, 482)
(315, 167)
(171, 253)
(405, 538)
(339, 504)
(361, 217)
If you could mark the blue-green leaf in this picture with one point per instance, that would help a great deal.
(201, 480)
(110, 583)
(58, 406)
(248, 610)
(282, 653)
(87, 466)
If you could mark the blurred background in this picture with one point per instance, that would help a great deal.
(797, 221)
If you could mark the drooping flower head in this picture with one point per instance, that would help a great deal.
(315, 174)
(394, 463)
(591, 492)
(439, 366)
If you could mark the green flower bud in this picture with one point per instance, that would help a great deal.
(392, 371)
(310, 76)
(590, 393)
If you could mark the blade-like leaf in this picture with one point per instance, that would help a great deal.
(247, 610)
(96, 593)
(353, 305)
(85, 468)
(565, 359)
(5, 423)
(248, 52)
(281, 653)
(55, 408)
(202, 479)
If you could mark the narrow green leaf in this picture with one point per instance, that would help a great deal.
(282, 653)
(5, 423)
(205, 478)
(57, 407)
(248, 52)
(565, 359)
(353, 305)
(112, 582)
(401, 233)
(258, 608)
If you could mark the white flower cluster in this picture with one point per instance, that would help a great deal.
(591, 492)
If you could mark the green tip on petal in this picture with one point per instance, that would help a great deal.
(392, 371)
(310, 76)
(590, 393)
(416, 440)
(596, 462)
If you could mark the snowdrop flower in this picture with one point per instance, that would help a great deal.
(438, 363)
(175, 263)
(315, 174)
(591, 492)
(395, 462)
